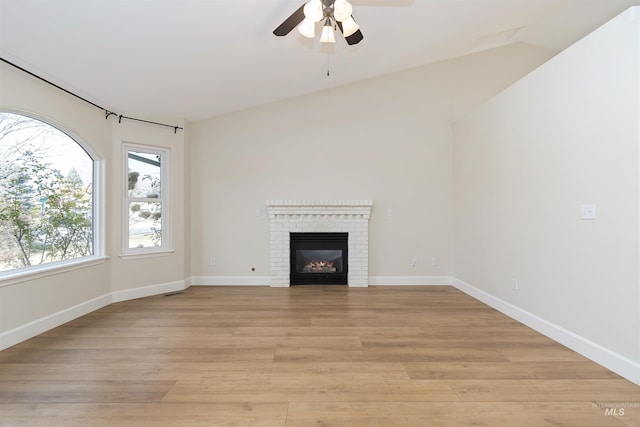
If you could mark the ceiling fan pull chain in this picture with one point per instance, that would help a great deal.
(328, 65)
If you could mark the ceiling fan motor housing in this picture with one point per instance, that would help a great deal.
(328, 7)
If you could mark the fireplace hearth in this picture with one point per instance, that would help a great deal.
(318, 258)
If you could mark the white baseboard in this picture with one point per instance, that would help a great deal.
(409, 280)
(230, 281)
(615, 362)
(264, 280)
(36, 327)
(147, 291)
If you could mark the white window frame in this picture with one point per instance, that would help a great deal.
(11, 277)
(165, 201)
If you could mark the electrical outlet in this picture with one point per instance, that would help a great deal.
(414, 261)
(212, 261)
(514, 284)
(434, 260)
(588, 211)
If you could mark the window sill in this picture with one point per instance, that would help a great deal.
(38, 272)
(165, 252)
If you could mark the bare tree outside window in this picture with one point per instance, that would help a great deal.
(46, 187)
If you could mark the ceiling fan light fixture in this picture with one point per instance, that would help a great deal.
(307, 28)
(330, 13)
(327, 35)
(313, 10)
(342, 10)
(349, 26)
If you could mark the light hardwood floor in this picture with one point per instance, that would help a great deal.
(306, 356)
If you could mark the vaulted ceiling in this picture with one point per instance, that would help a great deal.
(195, 59)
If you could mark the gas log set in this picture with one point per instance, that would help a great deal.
(319, 267)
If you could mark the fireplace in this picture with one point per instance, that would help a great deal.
(319, 216)
(318, 258)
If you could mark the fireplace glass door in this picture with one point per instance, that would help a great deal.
(318, 258)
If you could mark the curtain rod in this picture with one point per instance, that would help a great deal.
(107, 113)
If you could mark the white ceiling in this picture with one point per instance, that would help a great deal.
(195, 59)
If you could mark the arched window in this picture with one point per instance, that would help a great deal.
(46, 195)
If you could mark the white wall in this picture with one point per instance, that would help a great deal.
(25, 302)
(564, 135)
(36, 303)
(152, 271)
(387, 139)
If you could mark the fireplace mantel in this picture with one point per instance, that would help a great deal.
(316, 216)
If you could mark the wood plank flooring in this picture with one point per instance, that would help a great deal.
(306, 356)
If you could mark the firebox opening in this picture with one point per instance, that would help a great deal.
(318, 258)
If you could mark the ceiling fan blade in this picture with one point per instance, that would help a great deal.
(354, 38)
(290, 23)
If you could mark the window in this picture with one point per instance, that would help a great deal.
(146, 202)
(46, 195)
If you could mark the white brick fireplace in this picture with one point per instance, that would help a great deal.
(313, 216)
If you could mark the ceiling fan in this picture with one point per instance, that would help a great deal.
(333, 13)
